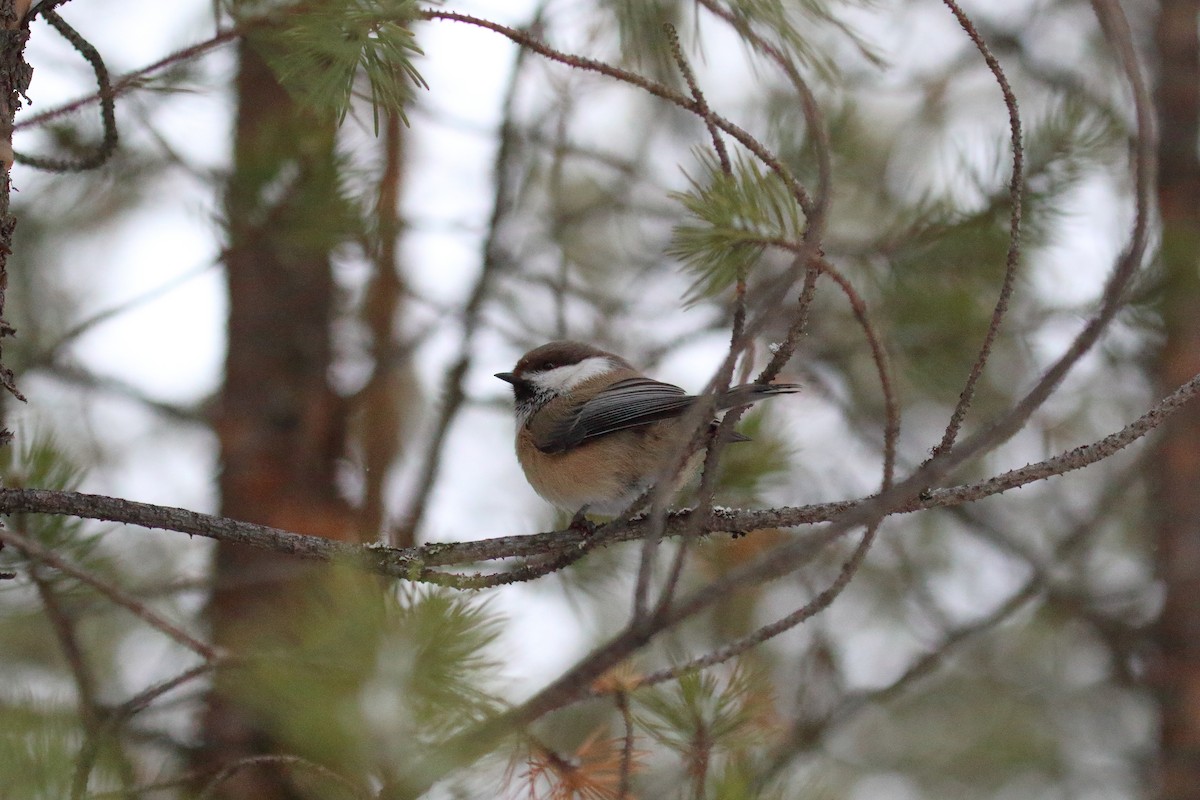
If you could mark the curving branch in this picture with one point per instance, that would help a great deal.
(705, 112)
(816, 209)
(132, 80)
(1016, 190)
(416, 563)
(108, 114)
(659, 90)
(802, 736)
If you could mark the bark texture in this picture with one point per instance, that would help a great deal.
(1176, 675)
(279, 423)
(15, 75)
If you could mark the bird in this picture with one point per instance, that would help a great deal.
(594, 433)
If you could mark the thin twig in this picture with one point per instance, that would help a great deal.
(698, 420)
(84, 326)
(1145, 142)
(69, 372)
(704, 111)
(766, 632)
(453, 392)
(88, 753)
(801, 737)
(655, 88)
(133, 79)
(783, 352)
(45, 6)
(814, 210)
(108, 114)
(525, 572)
(739, 302)
(42, 554)
(622, 701)
(91, 711)
(1016, 191)
(295, 762)
(891, 428)
(712, 455)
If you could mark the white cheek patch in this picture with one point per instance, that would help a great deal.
(563, 379)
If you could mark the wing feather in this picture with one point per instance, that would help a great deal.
(626, 404)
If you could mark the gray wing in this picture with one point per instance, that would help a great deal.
(625, 404)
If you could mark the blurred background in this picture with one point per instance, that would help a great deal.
(264, 309)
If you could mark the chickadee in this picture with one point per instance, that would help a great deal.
(593, 433)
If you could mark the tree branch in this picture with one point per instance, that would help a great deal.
(655, 88)
(38, 553)
(1016, 188)
(415, 563)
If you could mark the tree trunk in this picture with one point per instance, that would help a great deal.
(1176, 675)
(15, 75)
(280, 426)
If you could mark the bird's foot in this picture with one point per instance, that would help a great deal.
(581, 523)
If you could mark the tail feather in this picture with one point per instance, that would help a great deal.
(749, 393)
